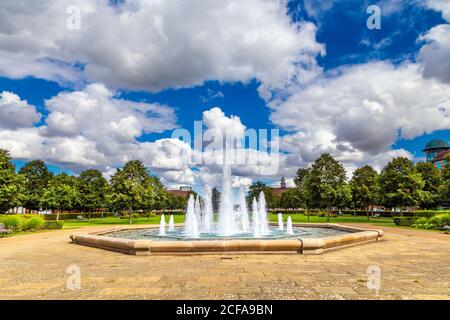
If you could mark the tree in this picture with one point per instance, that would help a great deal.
(37, 176)
(215, 196)
(290, 199)
(93, 189)
(61, 194)
(11, 183)
(400, 183)
(256, 188)
(432, 179)
(444, 189)
(132, 187)
(326, 180)
(365, 188)
(302, 182)
(161, 196)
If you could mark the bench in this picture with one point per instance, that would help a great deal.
(3, 230)
(446, 228)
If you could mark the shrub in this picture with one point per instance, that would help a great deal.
(53, 224)
(12, 223)
(445, 218)
(405, 221)
(436, 220)
(34, 223)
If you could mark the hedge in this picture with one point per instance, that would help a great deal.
(404, 221)
(53, 224)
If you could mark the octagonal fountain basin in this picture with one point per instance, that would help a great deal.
(302, 239)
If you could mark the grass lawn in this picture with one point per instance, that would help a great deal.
(273, 218)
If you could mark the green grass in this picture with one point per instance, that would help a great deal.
(300, 218)
(272, 217)
(68, 224)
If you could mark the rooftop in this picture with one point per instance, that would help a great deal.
(436, 144)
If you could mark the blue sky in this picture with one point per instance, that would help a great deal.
(339, 28)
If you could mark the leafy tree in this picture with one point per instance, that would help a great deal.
(400, 183)
(93, 189)
(444, 189)
(302, 173)
(132, 187)
(302, 182)
(256, 188)
(161, 196)
(326, 180)
(61, 194)
(290, 199)
(365, 188)
(215, 199)
(11, 183)
(37, 176)
(432, 181)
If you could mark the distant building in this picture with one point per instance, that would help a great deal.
(436, 150)
(279, 191)
(183, 191)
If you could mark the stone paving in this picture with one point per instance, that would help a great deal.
(414, 265)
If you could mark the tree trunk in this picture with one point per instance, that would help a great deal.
(328, 214)
(57, 215)
(367, 209)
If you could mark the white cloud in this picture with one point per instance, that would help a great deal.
(16, 113)
(152, 44)
(434, 54)
(357, 113)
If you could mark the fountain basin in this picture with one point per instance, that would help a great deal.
(333, 236)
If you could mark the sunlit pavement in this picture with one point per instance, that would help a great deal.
(414, 265)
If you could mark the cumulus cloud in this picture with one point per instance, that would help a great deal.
(357, 113)
(434, 54)
(16, 113)
(152, 44)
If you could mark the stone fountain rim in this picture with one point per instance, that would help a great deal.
(356, 236)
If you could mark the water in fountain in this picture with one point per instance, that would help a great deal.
(280, 221)
(198, 211)
(227, 219)
(162, 226)
(262, 210)
(289, 229)
(171, 223)
(245, 224)
(191, 226)
(256, 222)
(208, 211)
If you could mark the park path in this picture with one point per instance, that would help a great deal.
(414, 264)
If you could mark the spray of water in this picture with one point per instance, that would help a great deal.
(245, 224)
(289, 229)
(191, 226)
(171, 223)
(280, 222)
(162, 226)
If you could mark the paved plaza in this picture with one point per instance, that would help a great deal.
(414, 265)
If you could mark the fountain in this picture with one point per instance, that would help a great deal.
(208, 211)
(162, 226)
(280, 222)
(235, 231)
(191, 225)
(289, 229)
(171, 224)
(243, 210)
